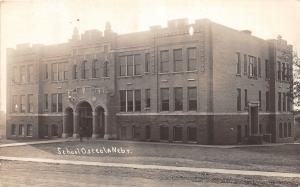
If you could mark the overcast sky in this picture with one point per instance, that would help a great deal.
(52, 21)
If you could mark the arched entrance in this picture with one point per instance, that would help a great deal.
(85, 121)
(68, 122)
(100, 121)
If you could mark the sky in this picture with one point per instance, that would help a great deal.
(52, 21)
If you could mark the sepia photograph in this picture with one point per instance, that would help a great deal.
(149, 93)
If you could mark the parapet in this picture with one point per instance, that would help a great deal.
(177, 23)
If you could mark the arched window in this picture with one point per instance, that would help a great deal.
(84, 70)
(95, 69)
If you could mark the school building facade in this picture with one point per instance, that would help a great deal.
(194, 83)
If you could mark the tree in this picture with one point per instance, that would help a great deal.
(295, 89)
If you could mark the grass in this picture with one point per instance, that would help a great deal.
(281, 158)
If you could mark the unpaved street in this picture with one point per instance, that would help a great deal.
(16, 174)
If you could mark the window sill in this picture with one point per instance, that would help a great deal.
(177, 72)
(59, 81)
(126, 77)
(192, 142)
(238, 75)
(177, 141)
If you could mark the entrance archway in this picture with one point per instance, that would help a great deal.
(100, 121)
(85, 121)
(68, 131)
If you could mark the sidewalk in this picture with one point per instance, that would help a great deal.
(155, 167)
(33, 142)
(141, 142)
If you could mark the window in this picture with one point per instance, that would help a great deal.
(59, 71)
(192, 133)
(21, 130)
(289, 129)
(164, 95)
(123, 63)
(246, 130)
(56, 102)
(164, 61)
(129, 100)
(164, 133)
(105, 48)
(259, 67)
(23, 74)
(178, 97)
(53, 102)
(29, 130)
(267, 69)
(45, 131)
(245, 65)
(259, 98)
(278, 71)
(130, 65)
(279, 101)
(59, 102)
(137, 100)
(284, 102)
(16, 74)
(147, 62)
(13, 129)
(288, 76)
(137, 64)
(280, 130)
(123, 100)
(192, 61)
(288, 102)
(260, 129)
(75, 71)
(54, 71)
(238, 63)
(46, 72)
(148, 98)
(30, 73)
(177, 133)
(252, 67)
(14, 106)
(84, 70)
(54, 130)
(105, 69)
(123, 132)
(285, 130)
(178, 63)
(246, 98)
(148, 132)
(23, 105)
(30, 103)
(238, 100)
(283, 72)
(46, 104)
(267, 101)
(95, 68)
(192, 98)
(134, 132)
